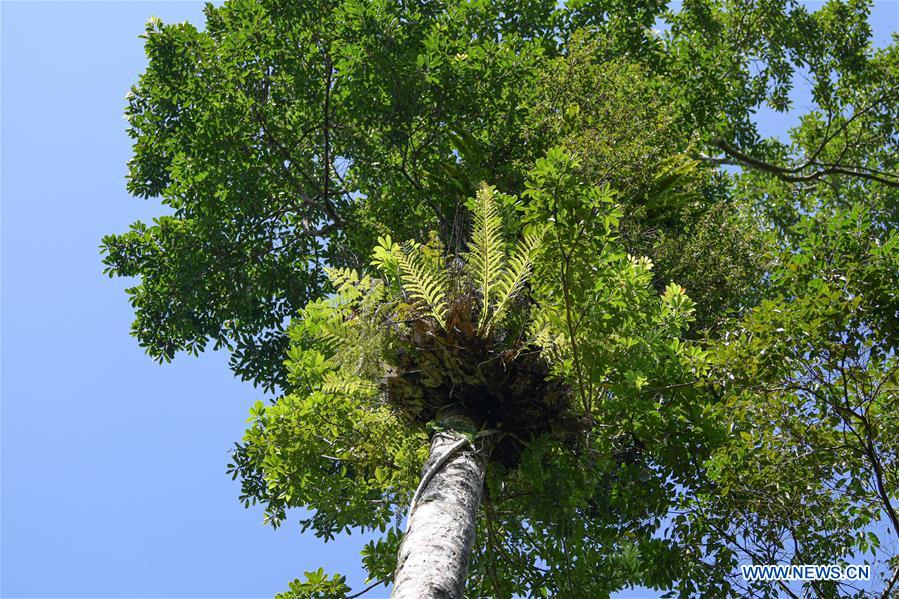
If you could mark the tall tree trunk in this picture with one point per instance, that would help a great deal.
(433, 557)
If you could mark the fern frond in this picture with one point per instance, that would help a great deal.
(340, 277)
(543, 334)
(346, 284)
(425, 286)
(337, 384)
(673, 186)
(335, 333)
(486, 250)
(513, 275)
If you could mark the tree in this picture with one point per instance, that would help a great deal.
(457, 346)
(288, 137)
(809, 379)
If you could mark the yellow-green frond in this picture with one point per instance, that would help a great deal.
(513, 276)
(674, 185)
(336, 383)
(346, 284)
(486, 252)
(541, 332)
(335, 332)
(427, 287)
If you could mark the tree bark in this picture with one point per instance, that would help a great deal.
(433, 557)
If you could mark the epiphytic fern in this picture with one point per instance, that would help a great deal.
(345, 282)
(438, 331)
(342, 383)
(675, 185)
(425, 286)
(496, 274)
(486, 252)
(512, 276)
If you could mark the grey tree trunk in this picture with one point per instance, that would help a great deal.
(433, 557)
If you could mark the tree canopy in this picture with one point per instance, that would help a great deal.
(711, 316)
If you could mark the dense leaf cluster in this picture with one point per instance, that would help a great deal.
(281, 122)
(579, 424)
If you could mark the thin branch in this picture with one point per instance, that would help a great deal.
(491, 565)
(890, 584)
(326, 131)
(790, 174)
(878, 476)
(566, 292)
(755, 556)
(368, 588)
(283, 155)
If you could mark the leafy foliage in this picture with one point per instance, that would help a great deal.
(281, 122)
(810, 396)
(512, 375)
(317, 585)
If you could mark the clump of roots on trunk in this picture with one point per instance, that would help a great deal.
(498, 381)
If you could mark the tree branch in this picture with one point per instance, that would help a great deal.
(368, 588)
(326, 136)
(792, 174)
(890, 584)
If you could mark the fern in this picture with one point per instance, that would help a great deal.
(514, 273)
(342, 277)
(542, 333)
(335, 332)
(339, 384)
(427, 287)
(673, 186)
(486, 250)
(346, 284)
(420, 270)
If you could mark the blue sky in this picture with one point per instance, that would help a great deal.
(113, 468)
